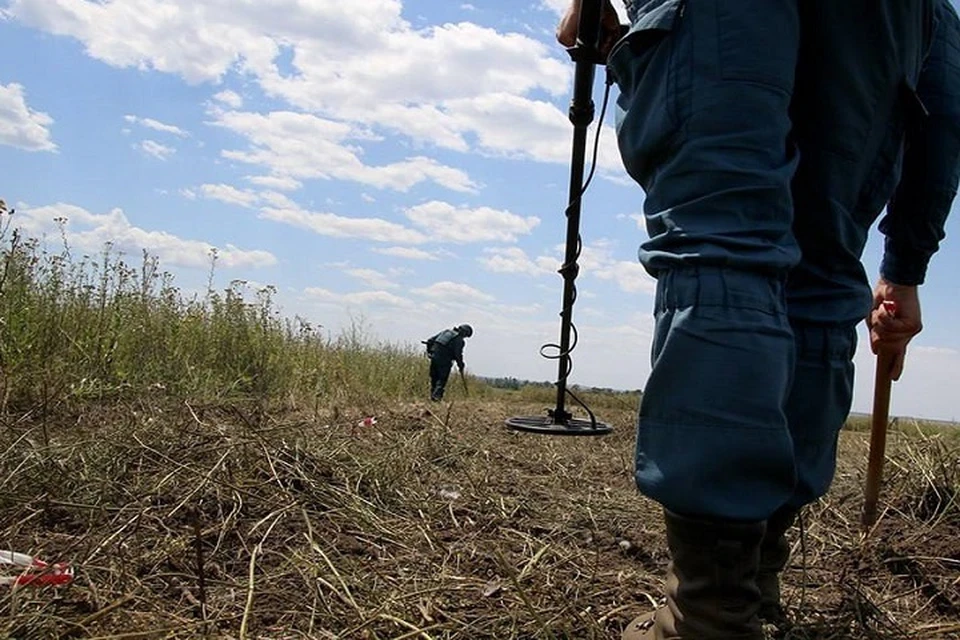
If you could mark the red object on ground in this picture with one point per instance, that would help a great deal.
(34, 571)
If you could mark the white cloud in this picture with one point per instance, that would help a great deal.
(560, 7)
(409, 253)
(281, 183)
(445, 222)
(89, 232)
(20, 126)
(371, 277)
(518, 127)
(354, 62)
(361, 298)
(557, 6)
(277, 200)
(240, 197)
(305, 146)
(360, 69)
(329, 224)
(515, 260)
(453, 292)
(600, 259)
(596, 261)
(156, 125)
(436, 221)
(228, 194)
(230, 98)
(331, 43)
(145, 34)
(629, 276)
(400, 66)
(155, 149)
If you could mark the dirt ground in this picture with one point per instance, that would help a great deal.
(434, 522)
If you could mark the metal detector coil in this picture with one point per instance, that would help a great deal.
(546, 425)
(586, 55)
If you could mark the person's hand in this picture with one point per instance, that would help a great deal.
(609, 27)
(893, 326)
(460, 366)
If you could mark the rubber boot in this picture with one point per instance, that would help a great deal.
(711, 586)
(774, 555)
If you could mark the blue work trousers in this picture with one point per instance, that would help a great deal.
(441, 363)
(767, 137)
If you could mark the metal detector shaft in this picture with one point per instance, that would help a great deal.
(585, 54)
(581, 114)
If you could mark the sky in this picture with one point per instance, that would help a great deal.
(398, 164)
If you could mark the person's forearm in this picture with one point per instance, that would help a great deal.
(914, 224)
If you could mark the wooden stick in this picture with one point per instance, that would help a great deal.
(878, 437)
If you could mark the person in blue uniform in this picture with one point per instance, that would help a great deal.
(444, 349)
(768, 136)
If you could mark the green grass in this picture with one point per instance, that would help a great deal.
(96, 328)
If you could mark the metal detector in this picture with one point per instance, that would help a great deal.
(586, 54)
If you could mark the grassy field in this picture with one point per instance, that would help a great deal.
(205, 467)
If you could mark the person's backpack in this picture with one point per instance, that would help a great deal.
(442, 339)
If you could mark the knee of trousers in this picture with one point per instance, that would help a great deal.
(819, 403)
(712, 437)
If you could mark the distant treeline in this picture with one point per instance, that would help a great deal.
(515, 384)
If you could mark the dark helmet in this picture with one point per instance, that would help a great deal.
(465, 330)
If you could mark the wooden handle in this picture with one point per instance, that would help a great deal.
(878, 436)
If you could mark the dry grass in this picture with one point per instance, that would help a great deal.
(237, 521)
(199, 462)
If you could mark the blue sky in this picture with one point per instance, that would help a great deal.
(400, 162)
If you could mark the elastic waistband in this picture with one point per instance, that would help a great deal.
(719, 287)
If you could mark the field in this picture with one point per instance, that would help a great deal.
(205, 467)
